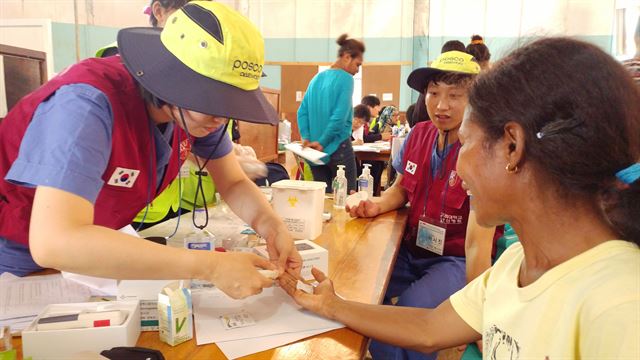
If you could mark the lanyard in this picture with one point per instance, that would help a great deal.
(439, 173)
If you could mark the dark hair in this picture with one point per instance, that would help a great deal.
(148, 97)
(370, 100)
(452, 45)
(167, 4)
(352, 47)
(420, 113)
(409, 114)
(452, 78)
(362, 111)
(478, 49)
(581, 113)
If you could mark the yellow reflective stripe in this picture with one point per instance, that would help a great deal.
(230, 129)
(373, 124)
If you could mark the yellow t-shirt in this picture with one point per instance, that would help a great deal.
(587, 307)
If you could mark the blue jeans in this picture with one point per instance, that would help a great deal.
(16, 259)
(424, 283)
(342, 156)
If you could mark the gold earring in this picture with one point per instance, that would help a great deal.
(511, 170)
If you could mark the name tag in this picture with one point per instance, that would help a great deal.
(431, 235)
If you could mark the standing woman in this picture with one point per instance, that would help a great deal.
(325, 115)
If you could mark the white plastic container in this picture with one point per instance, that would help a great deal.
(64, 343)
(300, 205)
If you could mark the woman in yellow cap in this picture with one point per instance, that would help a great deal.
(63, 194)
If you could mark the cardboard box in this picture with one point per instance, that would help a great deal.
(175, 315)
(62, 344)
(300, 205)
(313, 255)
(146, 291)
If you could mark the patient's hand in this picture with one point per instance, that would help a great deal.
(323, 297)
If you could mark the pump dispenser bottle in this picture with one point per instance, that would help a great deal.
(365, 181)
(339, 188)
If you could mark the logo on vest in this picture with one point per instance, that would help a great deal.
(411, 167)
(122, 177)
(453, 178)
(185, 149)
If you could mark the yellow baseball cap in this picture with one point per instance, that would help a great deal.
(208, 58)
(450, 61)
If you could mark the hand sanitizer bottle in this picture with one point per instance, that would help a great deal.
(339, 188)
(365, 181)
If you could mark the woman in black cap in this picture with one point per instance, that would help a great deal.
(92, 147)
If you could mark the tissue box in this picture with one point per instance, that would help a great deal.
(146, 291)
(313, 255)
(63, 344)
(300, 205)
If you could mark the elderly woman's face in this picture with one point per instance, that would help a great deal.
(482, 172)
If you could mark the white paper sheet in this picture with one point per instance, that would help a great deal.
(310, 154)
(372, 147)
(239, 348)
(22, 299)
(273, 310)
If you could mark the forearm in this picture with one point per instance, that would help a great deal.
(412, 328)
(393, 198)
(477, 246)
(478, 261)
(372, 137)
(98, 251)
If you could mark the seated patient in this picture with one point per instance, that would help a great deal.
(541, 152)
(434, 260)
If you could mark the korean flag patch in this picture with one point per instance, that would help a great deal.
(411, 167)
(124, 177)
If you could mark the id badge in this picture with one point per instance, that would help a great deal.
(431, 235)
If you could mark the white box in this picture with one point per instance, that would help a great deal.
(313, 255)
(146, 291)
(62, 344)
(300, 205)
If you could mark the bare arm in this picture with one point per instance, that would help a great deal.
(393, 198)
(62, 236)
(477, 246)
(246, 200)
(424, 330)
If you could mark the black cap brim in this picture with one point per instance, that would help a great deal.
(419, 78)
(166, 77)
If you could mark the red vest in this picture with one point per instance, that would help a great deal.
(445, 186)
(132, 147)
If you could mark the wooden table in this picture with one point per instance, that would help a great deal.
(361, 255)
(382, 155)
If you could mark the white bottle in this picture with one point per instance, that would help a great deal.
(339, 188)
(284, 131)
(365, 181)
